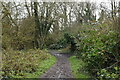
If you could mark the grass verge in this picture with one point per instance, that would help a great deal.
(44, 66)
(26, 64)
(77, 67)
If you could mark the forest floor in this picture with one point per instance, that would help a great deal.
(61, 69)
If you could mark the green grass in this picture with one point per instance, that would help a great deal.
(77, 66)
(44, 66)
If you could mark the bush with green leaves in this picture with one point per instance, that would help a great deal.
(70, 40)
(18, 63)
(61, 43)
(97, 47)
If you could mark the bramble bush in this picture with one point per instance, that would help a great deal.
(17, 63)
(97, 46)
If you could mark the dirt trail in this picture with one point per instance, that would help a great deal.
(61, 69)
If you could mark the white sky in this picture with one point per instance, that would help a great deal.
(97, 1)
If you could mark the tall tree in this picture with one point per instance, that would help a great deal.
(37, 26)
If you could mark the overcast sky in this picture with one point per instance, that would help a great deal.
(97, 1)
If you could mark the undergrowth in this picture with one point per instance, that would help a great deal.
(22, 64)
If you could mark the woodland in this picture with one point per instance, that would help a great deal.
(89, 31)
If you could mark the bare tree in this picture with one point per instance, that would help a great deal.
(27, 7)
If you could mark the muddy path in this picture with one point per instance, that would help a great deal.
(61, 69)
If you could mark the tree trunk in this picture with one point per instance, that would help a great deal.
(37, 26)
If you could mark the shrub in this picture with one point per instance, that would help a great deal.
(16, 63)
(97, 47)
(70, 40)
(61, 43)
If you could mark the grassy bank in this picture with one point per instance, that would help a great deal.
(77, 67)
(26, 64)
(43, 67)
